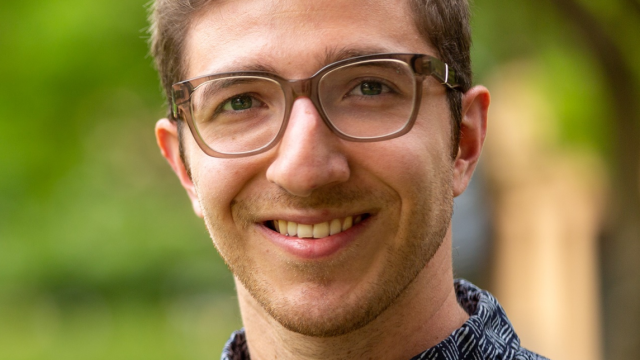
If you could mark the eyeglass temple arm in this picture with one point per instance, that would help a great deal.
(179, 96)
(442, 72)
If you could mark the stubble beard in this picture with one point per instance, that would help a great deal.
(420, 236)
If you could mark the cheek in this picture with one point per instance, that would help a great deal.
(408, 164)
(416, 166)
(424, 149)
(434, 119)
(219, 181)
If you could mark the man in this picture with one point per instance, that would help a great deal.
(330, 197)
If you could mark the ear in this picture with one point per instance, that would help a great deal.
(473, 128)
(168, 141)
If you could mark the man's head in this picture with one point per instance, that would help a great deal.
(389, 201)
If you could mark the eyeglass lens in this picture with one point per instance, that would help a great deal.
(365, 100)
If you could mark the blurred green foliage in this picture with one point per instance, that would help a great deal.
(533, 31)
(100, 253)
(101, 256)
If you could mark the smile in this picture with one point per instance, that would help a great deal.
(315, 231)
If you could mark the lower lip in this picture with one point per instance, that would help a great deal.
(310, 249)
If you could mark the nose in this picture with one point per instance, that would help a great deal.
(309, 156)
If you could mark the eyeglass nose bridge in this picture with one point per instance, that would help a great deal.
(308, 88)
(301, 87)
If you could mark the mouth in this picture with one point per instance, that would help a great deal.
(315, 231)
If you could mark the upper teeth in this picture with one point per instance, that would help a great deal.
(290, 228)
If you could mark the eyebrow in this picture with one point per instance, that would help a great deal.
(258, 66)
(331, 55)
(213, 88)
(336, 54)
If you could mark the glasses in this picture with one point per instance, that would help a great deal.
(366, 98)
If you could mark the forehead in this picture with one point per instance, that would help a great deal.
(295, 38)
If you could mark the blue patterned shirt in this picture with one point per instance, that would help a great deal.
(487, 334)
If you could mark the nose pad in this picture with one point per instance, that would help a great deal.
(309, 155)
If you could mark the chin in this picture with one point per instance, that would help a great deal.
(323, 310)
(327, 320)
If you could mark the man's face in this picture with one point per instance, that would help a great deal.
(399, 190)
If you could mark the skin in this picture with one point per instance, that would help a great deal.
(391, 281)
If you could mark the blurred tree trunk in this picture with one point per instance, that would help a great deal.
(621, 244)
(547, 212)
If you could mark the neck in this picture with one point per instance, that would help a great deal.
(425, 314)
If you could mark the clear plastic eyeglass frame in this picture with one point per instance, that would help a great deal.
(422, 66)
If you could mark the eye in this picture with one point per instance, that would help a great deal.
(241, 102)
(370, 88)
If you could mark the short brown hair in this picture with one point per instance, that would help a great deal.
(444, 24)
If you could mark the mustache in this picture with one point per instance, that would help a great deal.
(335, 197)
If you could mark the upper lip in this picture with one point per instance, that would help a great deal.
(312, 217)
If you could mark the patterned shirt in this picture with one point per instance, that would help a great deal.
(487, 334)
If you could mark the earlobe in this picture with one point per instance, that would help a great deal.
(473, 128)
(169, 143)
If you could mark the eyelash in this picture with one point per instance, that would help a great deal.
(388, 87)
(220, 107)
